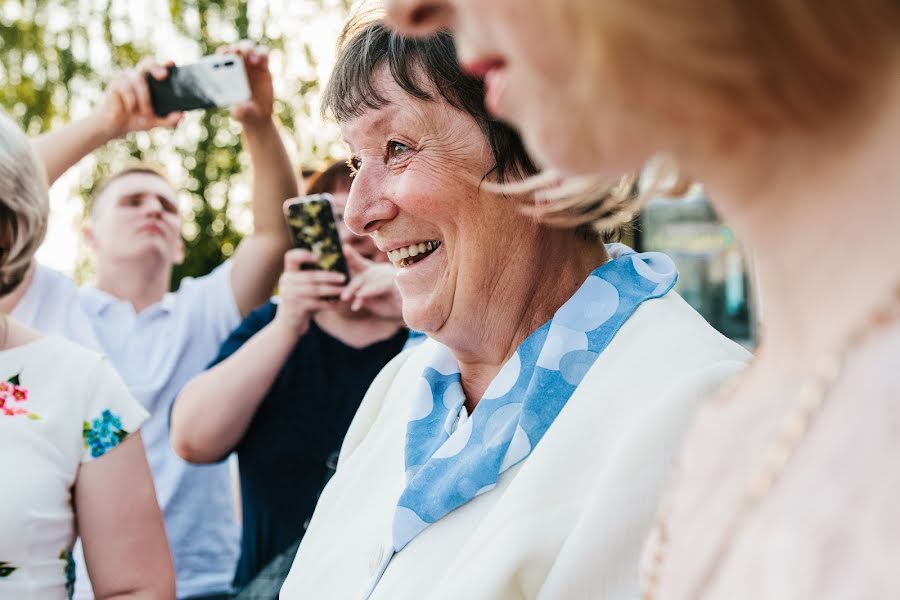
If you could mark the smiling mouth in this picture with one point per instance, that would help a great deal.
(408, 255)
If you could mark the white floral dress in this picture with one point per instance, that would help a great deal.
(60, 406)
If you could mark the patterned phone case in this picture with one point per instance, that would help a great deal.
(313, 228)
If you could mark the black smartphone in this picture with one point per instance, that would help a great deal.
(313, 227)
(214, 81)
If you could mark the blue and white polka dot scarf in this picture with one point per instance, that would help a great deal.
(451, 459)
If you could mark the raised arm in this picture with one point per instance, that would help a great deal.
(257, 261)
(126, 107)
(213, 411)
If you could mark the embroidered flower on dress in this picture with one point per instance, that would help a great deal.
(6, 569)
(12, 395)
(103, 434)
(68, 570)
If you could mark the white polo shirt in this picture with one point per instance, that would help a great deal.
(156, 353)
(51, 305)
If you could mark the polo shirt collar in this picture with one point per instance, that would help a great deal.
(97, 301)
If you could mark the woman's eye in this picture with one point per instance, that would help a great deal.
(397, 148)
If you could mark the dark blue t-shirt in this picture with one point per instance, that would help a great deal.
(299, 424)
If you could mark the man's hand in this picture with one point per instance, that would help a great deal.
(262, 95)
(304, 293)
(127, 106)
(372, 287)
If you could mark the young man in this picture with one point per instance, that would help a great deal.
(159, 340)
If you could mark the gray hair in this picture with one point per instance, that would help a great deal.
(427, 69)
(24, 204)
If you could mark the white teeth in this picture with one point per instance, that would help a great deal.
(399, 255)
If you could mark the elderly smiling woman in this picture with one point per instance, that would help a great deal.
(522, 449)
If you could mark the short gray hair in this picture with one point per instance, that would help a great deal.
(427, 69)
(24, 204)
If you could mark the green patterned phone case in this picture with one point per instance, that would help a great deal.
(313, 228)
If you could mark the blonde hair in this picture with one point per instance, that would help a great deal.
(719, 71)
(24, 204)
(741, 66)
(130, 168)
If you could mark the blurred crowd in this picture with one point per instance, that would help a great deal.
(491, 398)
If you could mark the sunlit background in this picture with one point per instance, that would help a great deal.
(58, 55)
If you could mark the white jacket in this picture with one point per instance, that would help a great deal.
(567, 523)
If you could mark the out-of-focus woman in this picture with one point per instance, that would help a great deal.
(73, 460)
(788, 111)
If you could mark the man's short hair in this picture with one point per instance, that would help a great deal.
(135, 167)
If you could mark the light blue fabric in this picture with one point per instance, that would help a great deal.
(448, 465)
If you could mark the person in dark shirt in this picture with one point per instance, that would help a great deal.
(286, 385)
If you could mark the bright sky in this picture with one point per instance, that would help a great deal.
(297, 20)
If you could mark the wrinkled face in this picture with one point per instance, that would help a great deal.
(536, 79)
(417, 192)
(363, 244)
(136, 216)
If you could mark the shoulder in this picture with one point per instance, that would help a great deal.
(207, 300)
(47, 287)
(259, 317)
(214, 287)
(673, 336)
(79, 367)
(664, 363)
(69, 357)
(46, 277)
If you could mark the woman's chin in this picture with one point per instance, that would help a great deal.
(417, 320)
(422, 313)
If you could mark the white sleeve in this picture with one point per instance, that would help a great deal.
(111, 413)
(211, 304)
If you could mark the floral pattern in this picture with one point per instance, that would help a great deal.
(12, 395)
(69, 570)
(103, 434)
(6, 569)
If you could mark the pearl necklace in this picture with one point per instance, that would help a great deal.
(795, 425)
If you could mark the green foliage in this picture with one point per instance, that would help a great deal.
(56, 57)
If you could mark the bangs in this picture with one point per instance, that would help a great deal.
(424, 68)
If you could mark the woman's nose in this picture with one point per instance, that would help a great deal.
(367, 207)
(418, 17)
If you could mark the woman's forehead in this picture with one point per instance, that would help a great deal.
(400, 108)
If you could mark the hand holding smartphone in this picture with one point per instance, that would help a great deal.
(313, 227)
(219, 80)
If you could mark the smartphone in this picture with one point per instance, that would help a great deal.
(313, 227)
(214, 81)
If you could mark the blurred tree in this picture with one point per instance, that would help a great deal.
(57, 55)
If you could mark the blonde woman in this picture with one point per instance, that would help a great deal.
(74, 463)
(787, 110)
